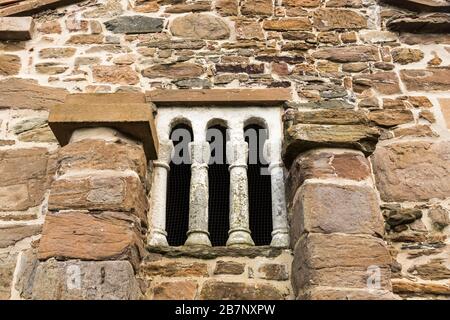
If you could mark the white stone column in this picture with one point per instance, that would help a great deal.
(199, 194)
(239, 233)
(158, 198)
(280, 233)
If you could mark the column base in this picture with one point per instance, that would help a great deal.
(239, 237)
(198, 238)
(280, 239)
(158, 238)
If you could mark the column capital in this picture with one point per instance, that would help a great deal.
(199, 152)
(164, 154)
(237, 153)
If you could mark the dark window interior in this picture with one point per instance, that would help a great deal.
(177, 208)
(219, 187)
(259, 186)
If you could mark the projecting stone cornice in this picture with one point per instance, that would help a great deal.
(128, 113)
(220, 97)
(421, 5)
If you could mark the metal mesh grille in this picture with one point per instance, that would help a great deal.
(219, 195)
(259, 190)
(177, 208)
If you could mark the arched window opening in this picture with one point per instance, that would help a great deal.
(259, 186)
(178, 185)
(219, 186)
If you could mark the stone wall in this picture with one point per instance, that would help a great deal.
(364, 75)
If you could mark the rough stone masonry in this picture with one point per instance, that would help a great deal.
(366, 146)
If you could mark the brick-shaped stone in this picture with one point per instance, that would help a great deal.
(175, 290)
(84, 280)
(102, 155)
(328, 208)
(23, 178)
(229, 267)
(431, 79)
(100, 192)
(174, 269)
(321, 164)
(79, 235)
(16, 28)
(16, 93)
(220, 290)
(412, 171)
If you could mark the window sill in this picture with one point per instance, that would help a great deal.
(215, 252)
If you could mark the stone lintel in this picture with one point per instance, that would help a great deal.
(219, 97)
(16, 28)
(128, 113)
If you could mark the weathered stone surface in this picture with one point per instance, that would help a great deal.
(9, 64)
(18, 93)
(412, 171)
(249, 30)
(200, 26)
(332, 116)
(177, 70)
(323, 104)
(348, 54)
(50, 68)
(174, 269)
(257, 8)
(440, 217)
(432, 79)
(407, 55)
(227, 7)
(175, 290)
(274, 271)
(16, 28)
(50, 27)
(112, 193)
(85, 280)
(399, 216)
(391, 118)
(102, 155)
(115, 74)
(23, 175)
(421, 5)
(338, 260)
(326, 293)
(288, 24)
(134, 24)
(219, 290)
(103, 236)
(332, 19)
(85, 39)
(10, 234)
(55, 53)
(229, 267)
(240, 68)
(322, 164)
(301, 137)
(7, 267)
(189, 7)
(422, 23)
(403, 286)
(433, 270)
(383, 82)
(445, 108)
(326, 208)
(415, 131)
(108, 9)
